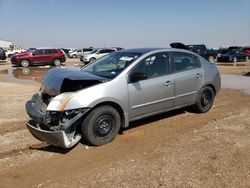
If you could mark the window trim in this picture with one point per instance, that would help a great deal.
(130, 72)
(193, 57)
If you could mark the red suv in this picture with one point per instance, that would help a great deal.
(39, 57)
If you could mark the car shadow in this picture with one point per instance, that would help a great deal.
(246, 74)
(154, 118)
(52, 149)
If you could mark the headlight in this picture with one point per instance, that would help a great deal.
(59, 102)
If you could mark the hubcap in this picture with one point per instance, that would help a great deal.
(104, 125)
(25, 63)
(57, 62)
(206, 98)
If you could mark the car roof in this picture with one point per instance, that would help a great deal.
(140, 50)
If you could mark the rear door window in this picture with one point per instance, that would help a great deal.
(184, 61)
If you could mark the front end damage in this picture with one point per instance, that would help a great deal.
(59, 128)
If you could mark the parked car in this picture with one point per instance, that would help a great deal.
(96, 54)
(233, 56)
(234, 48)
(221, 51)
(2, 54)
(117, 48)
(79, 52)
(10, 53)
(39, 57)
(200, 49)
(246, 50)
(66, 51)
(103, 97)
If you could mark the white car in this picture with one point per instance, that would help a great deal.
(10, 53)
(96, 54)
(79, 52)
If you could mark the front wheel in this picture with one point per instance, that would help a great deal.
(101, 125)
(57, 62)
(204, 100)
(25, 63)
(92, 59)
(211, 58)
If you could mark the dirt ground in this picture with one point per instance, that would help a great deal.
(176, 149)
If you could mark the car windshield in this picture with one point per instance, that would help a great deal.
(112, 64)
(94, 51)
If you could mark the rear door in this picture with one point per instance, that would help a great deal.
(156, 92)
(188, 77)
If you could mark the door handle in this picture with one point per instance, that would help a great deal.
(168, 83)
(198, 75)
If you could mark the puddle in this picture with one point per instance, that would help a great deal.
(30, 74)
(237, 82)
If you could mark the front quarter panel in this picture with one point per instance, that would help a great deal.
(111, 91)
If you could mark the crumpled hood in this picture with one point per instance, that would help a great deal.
(55, 77)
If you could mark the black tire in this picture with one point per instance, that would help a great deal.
(92, 59)
(101, 125)
(25, 63)
(204, 100)
(74, 56)
(57, 62)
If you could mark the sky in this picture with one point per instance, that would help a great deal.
(124, 23)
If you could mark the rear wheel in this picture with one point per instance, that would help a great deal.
(74, 56)
(235, 59)
(25, 63)
(204, 100)
(101, 125)
(57, 62)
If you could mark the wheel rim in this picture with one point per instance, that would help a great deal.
(57, 62)
(91, 60)
(206, 98)
(25, 63)
(235, 60)
(104, 125)
(211, 58)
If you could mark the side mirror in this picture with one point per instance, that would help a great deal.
(137, 76)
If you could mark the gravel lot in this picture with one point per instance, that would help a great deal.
(177, 149)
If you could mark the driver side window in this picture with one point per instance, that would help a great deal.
(154, 65)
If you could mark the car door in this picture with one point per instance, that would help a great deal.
(155, 93)
(188, 77)
(38, 56)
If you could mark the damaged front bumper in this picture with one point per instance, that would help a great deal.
(56, 138)
(45, 126)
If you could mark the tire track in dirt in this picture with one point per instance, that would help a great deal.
(21, 151)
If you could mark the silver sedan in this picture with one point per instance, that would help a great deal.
(102, 98)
